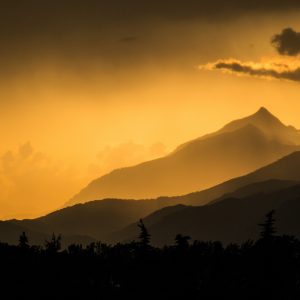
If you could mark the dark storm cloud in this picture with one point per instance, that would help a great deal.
(287, 42)
(66, 20)
(93, 29)
(278, 71)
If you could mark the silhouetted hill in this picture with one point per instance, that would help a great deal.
(229, 220)
(86, 222)
(253, 189)
(286, 169)
(11, 230)
(131, 231)
(106, 219)
(267, 186)
(240, 147)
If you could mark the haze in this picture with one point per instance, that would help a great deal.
(82, 94)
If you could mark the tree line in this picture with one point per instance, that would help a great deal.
(268, 267)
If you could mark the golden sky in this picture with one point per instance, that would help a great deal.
(79, 101)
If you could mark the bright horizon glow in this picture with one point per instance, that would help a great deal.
(66, 122)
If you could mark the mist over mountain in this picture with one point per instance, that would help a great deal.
(237, 149)
(239, 145)
(286, 169)
(114, 220)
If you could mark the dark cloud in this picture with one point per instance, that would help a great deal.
(81, 34)
(287, 42)
(25, 25)
(277, 71)
(52, 14)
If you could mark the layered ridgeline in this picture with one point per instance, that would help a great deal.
(233, 210)
(233, 219)
(238, 148)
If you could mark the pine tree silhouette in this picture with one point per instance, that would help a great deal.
(54, 245)
(268, 229)
(182, 241)
(23, 241)
(144, 236)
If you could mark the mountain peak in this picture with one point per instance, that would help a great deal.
(264, 113)
(263, 110)
(262, 119)
(269, 124)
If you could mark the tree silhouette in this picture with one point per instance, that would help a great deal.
(267, 269)
(144, 236)
(54, 245)
(182, 241)
(268, 229)
(23, 241)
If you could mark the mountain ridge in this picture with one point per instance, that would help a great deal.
(260, 115)
(225, 154)
(105, 219)
(230, 220)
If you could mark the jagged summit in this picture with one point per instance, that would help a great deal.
(269, 124)
(264, 121)
(262, 110)
(265, 114)
(261, 119)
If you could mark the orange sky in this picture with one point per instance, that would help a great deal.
(67, 121)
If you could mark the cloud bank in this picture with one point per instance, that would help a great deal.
(266, 70)
(31, 183)
(286, 43)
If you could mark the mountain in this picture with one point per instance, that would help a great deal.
(108, 219)
(271, 126)
(286, 169)
(237, 149)
(11, 230)
(82, 223)
(230, 220)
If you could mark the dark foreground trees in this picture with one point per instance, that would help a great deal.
(268, 268)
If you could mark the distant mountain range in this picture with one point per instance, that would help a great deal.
(230, 220)
(238, 148)
(232, 211)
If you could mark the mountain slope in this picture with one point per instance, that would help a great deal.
(286, 169)
(105, 219)
(271, 126)
(240, 147)
(229, 220)
(82, 222)
(11, 230)
(252, 190)
(108, 220)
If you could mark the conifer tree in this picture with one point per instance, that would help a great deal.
(144, 236)
(268, 229)
(23, 241)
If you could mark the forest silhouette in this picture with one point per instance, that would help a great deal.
(268, 267)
